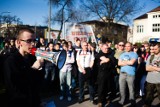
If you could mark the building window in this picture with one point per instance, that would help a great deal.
(156, 16)
(140, 28)
(156, 27)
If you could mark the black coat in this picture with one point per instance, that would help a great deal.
(22, 82)
(105, 68)
(105, 77)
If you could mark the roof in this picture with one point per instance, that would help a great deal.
(99, 22)
(155, 10)
(144, 16)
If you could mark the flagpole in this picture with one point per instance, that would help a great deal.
(49, 21)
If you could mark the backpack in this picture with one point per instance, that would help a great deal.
(87, 51)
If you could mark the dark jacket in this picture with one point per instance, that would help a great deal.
(105, 67)
(22, 82)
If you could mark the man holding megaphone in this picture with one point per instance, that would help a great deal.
(22, 74)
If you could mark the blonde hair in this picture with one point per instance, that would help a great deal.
(24, 30)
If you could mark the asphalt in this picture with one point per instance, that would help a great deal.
(86, 103)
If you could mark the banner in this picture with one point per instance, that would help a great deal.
(53, 34)
(74, 30)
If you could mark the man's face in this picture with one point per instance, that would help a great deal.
(109, 44)
(12, 42)
(128, 47)
(151, 50)
(26, 42)
(84, 46)
(65, 48)
(146, 46)
(104, 48)
(56, 47)
(121, 46)
(51, 47)
(41, 40)
(156, 49)
(69, 44)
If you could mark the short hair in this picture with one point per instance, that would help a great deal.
(158, 44)
(128, 43)
(49, 44)
(57, 44)
(65, 44)
(77, 39)
(70, 42)
(24, 30)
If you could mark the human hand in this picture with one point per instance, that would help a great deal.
(102, 58)
(83, 71)
(38, 63)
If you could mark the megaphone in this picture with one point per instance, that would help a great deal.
(58, 58)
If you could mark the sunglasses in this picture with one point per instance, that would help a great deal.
(85, 45)
(28, 40)
(121, 45)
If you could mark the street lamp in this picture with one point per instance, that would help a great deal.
(49, 21)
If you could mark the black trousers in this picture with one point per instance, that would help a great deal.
(88, 77)
(105, 85)
(150, 88)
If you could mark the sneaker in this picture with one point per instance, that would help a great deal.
(69, 98)
(94, 102)
(80, 101)
(99, 104)
(107, 103)
(61, 98)
(133, 103)
(145, 105)
(118, 104)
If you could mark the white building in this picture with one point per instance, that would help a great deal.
(147, 26)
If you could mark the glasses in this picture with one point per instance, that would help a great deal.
(121, 45)
(28, 40)
(85, 45)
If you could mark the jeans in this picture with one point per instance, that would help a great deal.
(123, 79)
(142, 84)
(50, 71)
(88, 78)
(65, 82)
(150, 88)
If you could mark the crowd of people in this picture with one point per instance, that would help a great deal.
(105, 71)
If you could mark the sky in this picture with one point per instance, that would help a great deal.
(34, 12)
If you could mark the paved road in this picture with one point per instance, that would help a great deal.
(74, 103)
(87, 103)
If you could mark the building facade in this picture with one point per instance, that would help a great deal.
(119, 30)
(147, 26)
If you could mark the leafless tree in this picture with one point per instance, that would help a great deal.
(111, 10)
(66, 11)
(62, 13)
(9, 20)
